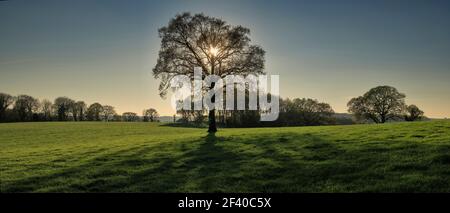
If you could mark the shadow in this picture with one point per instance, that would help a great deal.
(264, 162)
(172, 167)
(212, 138)
(184, 125)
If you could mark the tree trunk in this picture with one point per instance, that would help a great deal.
(212, 121)
(212, 114)
(383, 118)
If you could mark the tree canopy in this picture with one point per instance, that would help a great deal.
(413, 113)
(190, 41)
(150, 115)
(379, 104)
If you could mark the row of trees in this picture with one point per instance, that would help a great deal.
(379, 105)
(295, 112)
(27, 108)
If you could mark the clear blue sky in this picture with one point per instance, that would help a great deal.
(96, 50)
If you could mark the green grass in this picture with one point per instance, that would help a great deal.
(143, 157)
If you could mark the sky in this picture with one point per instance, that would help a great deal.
(104, 51)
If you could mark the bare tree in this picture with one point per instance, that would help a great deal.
(5, 101)
(73, 111)
(198, 40)
(379, 104)
(46, 109)
(150, 115)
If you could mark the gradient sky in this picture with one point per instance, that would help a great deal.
(104, 51)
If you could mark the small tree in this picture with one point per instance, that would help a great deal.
(379, 104)
(94, 111)
(25, 106)
(108, 112)
(80, 109)
(150, 115)
(63, 106)
(413, 113)
(198, 116)
(130, 116)
(46, 109)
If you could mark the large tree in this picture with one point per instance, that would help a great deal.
(379, 104)
(5, 101)
(198, 40)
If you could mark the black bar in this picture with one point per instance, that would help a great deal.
(171, 201)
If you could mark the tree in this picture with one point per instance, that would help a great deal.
(94, 111)
(117, 117)
(25, 105)
(198, 116)
(108, 113)
(46, 109)
(198, 40)
(130, 116)
(304, 112)
(5, 101)
(185, 116)
(150, 115)
(79, 110)
(379, 104)
(413, 113)
(63, 106)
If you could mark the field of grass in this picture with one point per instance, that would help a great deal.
(144, 157)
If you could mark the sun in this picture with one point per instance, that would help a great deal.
(213, 51)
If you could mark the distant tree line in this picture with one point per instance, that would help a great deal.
(379, 105)
(25, 108)
(295, 112)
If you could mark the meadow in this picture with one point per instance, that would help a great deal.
(154, 157)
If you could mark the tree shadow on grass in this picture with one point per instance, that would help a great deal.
(167, 169)
(184, 125)
(194, 170)
(275, 162)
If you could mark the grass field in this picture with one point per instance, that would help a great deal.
(144, 157)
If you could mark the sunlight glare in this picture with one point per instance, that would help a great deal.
(213, 51)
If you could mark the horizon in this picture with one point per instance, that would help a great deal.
(104, 52)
